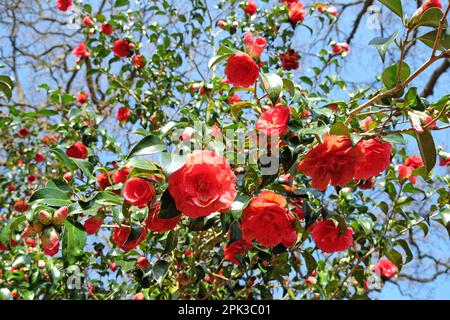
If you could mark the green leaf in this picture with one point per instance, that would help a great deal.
(382, 44)
(6, 86)
(142, 164)
(226, 50)
(61, 155)
(104, 198)
(160, 270)
(289, 86)
(168, 208)
(427, 149)
(340, 129)
(273, 85)
(149, 145)
(73, 241)
(395, 6)
(408, 252)
(171, 241)
(86, 167)
(311, 263)
(430, 37)
(430, 18)
(49, 193)
(217, 59)
(9, 229)
(389, 75)
(121, 3)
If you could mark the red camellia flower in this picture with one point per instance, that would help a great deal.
(138, 192)
(77, 150)
(92, 225)
(82, 97)
(267, 220)
(205, 184)
(138, 61)
(234, 99)
(39, 157)
(23, 132)
(31, 178)
(387, 268)
(142, 262)
(340, 47)
(327, 238)
(406, 169)
(123, 113)
(296, 12)
(50, 241)
(332, 161)
(241, 70)
(254, 46)
(21, 206)
(250, 8)
(103, 181)
(236, 248)
(121, 175)
(107, 29)
(274, 122)
(11, 187)
(156, 224)
(64, 5)
(112, 266)
(120, 237)
(289, 60)
(444, 162)
(87, 22)
(121, 48)
(377, 157)
(81, 51)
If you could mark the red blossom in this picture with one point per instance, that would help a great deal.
(77, 150)
(267, 221)
(123, 113)
(107, 29)
(81, 51)
(121, 238)
(121, 48)
(327, 238)
(138, 192)
(274, 121)
(241, 70)
(205, 184)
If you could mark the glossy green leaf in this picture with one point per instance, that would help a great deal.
(73, 241)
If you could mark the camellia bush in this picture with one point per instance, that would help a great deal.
(253, 182)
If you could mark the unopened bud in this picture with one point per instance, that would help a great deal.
(45, 217)
(60, 215)
(50, 241)
(41, 264)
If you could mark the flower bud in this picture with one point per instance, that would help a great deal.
(142, 262)
(68, 176)
(60, 215)
(50, 241)
(41, 264)
(45, 217)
